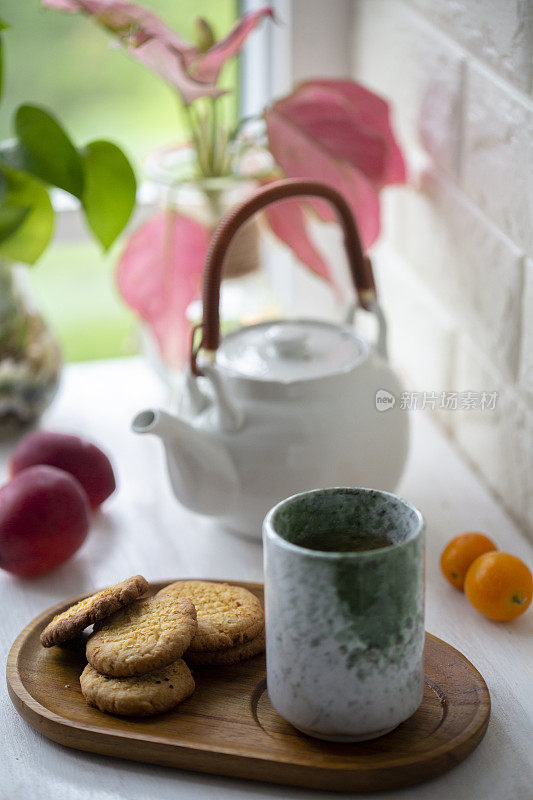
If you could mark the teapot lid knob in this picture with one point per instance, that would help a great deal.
(288, 341)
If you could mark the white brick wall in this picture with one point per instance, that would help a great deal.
(394, 47)
(497, 164)
(498, 442)
(421, 333)
(526, 352)
(498, 32)
(450, 245)
(455, 263)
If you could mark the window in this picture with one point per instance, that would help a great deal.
(66, 63)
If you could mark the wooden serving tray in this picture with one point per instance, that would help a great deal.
(228, 726)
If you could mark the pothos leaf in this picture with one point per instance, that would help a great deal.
(46, 150)
(109, 194)
(26, 207)
(11, 218)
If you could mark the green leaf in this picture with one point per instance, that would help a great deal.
(109, 196)
(47, 150)
(32, 235)
(11, 218)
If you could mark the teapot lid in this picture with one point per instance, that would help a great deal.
(287, 351)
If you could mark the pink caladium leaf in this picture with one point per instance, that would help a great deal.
(287, 221)
(374, 114)
(300, 156)
(169, 65)
(207, 66)
(340, 133)
(192, 72)
(128, 20)
(328, 118)
(159, 274)
(61, 5)
(148, 40)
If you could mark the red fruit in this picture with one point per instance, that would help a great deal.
(44, 518)
(81, 458)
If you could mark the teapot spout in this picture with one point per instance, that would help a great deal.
(201, 471)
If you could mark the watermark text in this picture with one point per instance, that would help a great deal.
(433, 401)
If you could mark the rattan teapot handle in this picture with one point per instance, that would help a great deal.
(359, 263)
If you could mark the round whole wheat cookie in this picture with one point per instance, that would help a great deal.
(146, 635)
(97, 607)
(139, 696)
(227, 615)
(231, 655)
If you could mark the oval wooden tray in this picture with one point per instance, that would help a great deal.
(228, 726)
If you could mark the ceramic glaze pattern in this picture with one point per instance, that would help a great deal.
(345, 631)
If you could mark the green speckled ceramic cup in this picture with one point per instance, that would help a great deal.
(344, 596)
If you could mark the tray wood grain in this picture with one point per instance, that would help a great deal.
(228, 726)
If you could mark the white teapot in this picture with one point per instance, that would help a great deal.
(281, 407)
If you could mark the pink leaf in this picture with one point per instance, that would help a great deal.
(61, 5)
(339, 132)
(301, 156)
(287, 221)
(329, 119)
(159, 274)
(131, 22)
(207, 67)
(169, 64)
(374, 113)
(148, 40)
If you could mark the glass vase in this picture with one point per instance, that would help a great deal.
(246, 293)
(30, 358)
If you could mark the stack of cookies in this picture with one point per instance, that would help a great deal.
(231, 624)
(137, 650)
